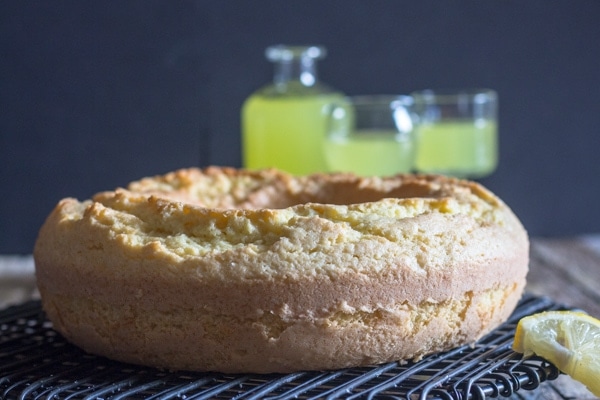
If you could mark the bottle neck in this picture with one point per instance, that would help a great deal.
(298, 71)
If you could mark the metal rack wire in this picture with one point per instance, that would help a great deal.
(37, 363)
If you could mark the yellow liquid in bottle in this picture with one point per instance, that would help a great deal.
(286, 132)
(370, 153)
(459, 148)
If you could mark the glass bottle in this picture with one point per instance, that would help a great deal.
(283, 123)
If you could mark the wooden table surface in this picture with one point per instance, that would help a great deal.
(566, 270)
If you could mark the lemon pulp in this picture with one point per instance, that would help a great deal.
(568, 339)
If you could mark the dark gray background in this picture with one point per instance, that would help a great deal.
(96, 94)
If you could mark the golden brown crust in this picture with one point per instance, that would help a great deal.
(239, 271)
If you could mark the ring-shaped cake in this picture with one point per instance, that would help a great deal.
(220, 269)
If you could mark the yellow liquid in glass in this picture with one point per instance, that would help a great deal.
(459, 148)
(286, 132)
(369, 153)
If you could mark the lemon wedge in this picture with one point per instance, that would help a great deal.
(568, 339)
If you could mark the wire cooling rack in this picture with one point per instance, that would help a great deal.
(37, 363)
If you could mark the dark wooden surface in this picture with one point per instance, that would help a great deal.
(566, 270)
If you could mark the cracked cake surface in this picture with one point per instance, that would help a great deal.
(220, 269)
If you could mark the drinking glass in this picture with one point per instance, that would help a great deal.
(371, 135)
(457, 133)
